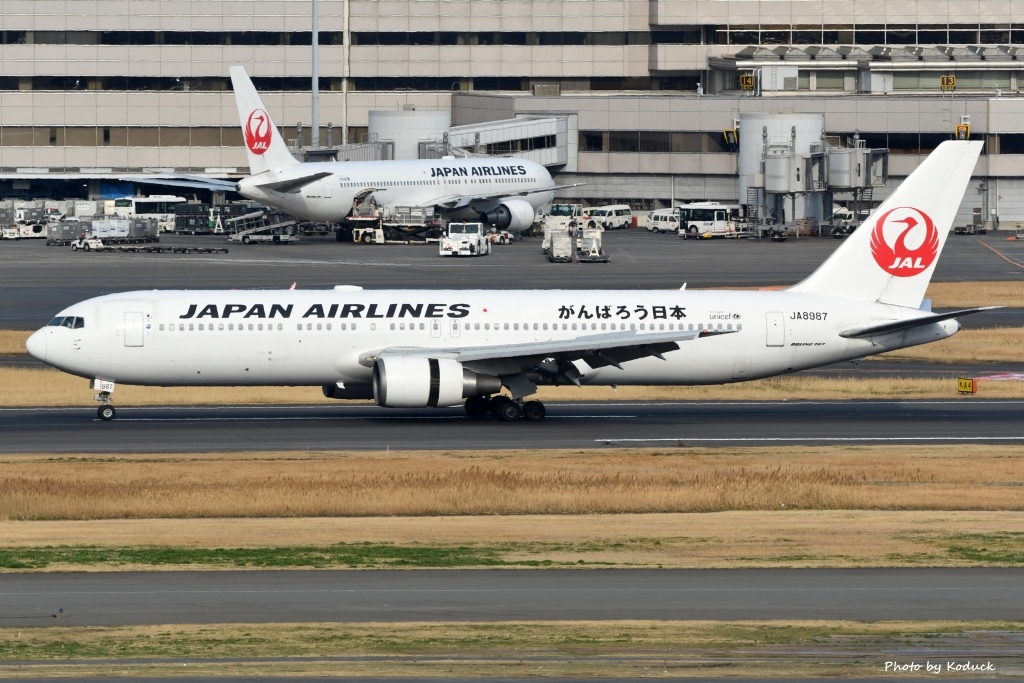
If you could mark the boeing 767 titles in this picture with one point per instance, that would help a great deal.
(417, 348)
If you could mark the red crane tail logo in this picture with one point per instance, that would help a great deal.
(894, 232)
(258, 132)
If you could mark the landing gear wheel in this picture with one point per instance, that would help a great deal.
(534, 411)
(509, 411)
(494, 403)
(106, 413)
(476, 406)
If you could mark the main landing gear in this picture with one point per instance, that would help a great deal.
(505, 409)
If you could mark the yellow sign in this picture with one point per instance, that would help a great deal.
(947, 83)
(963, 131)
(967, 386)
(746, 81)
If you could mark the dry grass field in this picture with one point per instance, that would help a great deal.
(412, 483)
(543, 650)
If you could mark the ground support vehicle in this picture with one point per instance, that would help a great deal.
(663, 220)
(561, 215)
(561, 250)
(403, 225)
(709, 219)
(254, 228)
(496, 236)
(591, 250)
(96, 244)
(465, 239)
(613, 217)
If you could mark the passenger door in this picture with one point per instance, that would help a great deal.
(134, 328)
(776, 329)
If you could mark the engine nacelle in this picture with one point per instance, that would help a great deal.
(417, 382)
(514, 215)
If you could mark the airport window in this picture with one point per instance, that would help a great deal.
(623, 141)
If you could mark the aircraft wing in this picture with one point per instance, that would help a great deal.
(181, 180)
(555, 357)
(458, 201)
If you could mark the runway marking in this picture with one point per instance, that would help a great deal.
(344, 417)
(826, 439)
(1000, 254)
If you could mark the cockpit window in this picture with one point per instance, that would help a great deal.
(70, 322)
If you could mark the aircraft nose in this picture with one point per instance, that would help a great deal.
(36, 345)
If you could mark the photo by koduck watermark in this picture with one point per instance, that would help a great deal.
(948, 666)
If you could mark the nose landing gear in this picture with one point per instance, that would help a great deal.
(106, 410)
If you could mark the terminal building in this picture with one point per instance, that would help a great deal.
(647, 102)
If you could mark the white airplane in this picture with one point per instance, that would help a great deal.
(504, 192)
(419, 348)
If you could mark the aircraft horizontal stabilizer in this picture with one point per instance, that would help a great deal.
(195, 182)
(875, 330)
(295, 184)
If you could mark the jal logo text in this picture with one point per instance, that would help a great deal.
(258, 132)
(904, 241)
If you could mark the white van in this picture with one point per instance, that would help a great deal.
(610, 217)
(663, 220)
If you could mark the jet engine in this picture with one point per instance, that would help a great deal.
(514, 215)
(416, 382)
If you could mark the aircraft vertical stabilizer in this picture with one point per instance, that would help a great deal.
(890, 258)
(264, 145)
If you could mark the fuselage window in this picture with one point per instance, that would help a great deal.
(373, 326)
(191, 327)
(309, 326)
(200, 327)
(422, 326)
(392, 326)
(603, 326)
(632, 327)
(642, 326)
(353, 327)
(545, 326)
(231, 326)
(181, 327)
(341, 326)
(690, 327)
(700, 326)
(487, 326)
(506, 326)
(300, 327)
(535, 326)
(515, 326)
(739, 327)
(476, 326)
(319, 326)
(56, 322)
(729, 326)
(259, 327)
(161, 327)
(401, 326)
(574, 326)
(79, 323)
